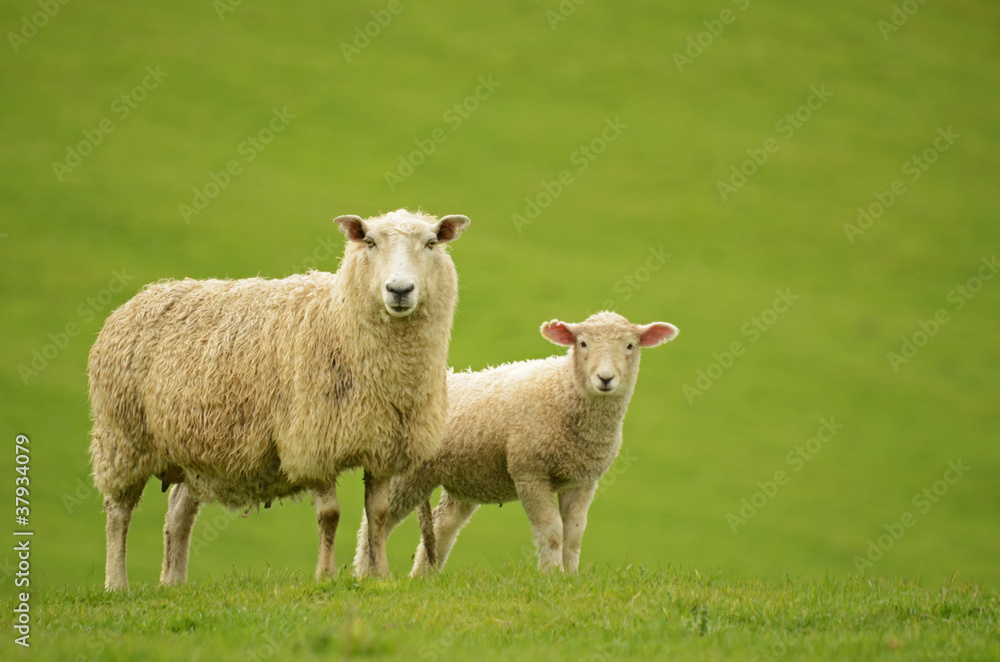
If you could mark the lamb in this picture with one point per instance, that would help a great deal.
(245, 391)
(523, 431)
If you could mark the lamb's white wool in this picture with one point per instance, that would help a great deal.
(244, 391)
(523, 431)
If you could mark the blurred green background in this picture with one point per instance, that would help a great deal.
(838, 103)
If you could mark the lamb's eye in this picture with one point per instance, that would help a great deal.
(369, 242)
(583, 345)
(630, 347)
(432, 243)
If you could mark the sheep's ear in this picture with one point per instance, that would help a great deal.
(450, 228)
(559, 333)
(352, 226)
(657, 333)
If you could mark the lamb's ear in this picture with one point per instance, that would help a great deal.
(451, 227)
(651, 335)
(559, 333)
(352, 226)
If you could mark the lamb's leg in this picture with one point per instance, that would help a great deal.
(573, 506)
(182, 509)
(327, 516)
(546, 524)
(376, 515)
(405, 492)
(425, 517)
(119, 514)
(449, 518)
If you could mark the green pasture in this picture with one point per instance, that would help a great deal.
(512, 613)
(807, 190)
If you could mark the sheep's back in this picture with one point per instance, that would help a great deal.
(523, 420)
(490, 414)
(193, 368)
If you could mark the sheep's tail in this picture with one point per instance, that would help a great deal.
(362, 566)
(426, 518)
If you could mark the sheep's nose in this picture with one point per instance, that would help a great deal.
(606, 381)
(399, 290)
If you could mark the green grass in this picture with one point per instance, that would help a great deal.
(513, 613)
(686, 465)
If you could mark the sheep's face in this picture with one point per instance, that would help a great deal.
(403, 255)
(604, 349)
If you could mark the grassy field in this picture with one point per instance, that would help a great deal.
(628, 613)
(807, 192)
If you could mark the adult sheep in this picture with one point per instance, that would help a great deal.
(244, 391)
(523, 431)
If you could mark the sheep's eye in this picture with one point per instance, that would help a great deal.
(432, 243)
(583, 345)
(630, 347)
(369, 242)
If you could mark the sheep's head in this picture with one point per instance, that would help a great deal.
(402, 255)
(604, 349)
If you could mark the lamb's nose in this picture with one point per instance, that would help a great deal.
(606, 381)
(399, 290)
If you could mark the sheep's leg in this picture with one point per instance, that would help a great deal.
(546, 524)
(120, 473)
(362, 556)
(328, 517)
(425, 517)
(573, 506)
(119, 514)
(405, 492)
(449, 518)
(377, 515)
(182, 510)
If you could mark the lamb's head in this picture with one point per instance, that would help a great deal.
(401, 256)
(604, 350)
